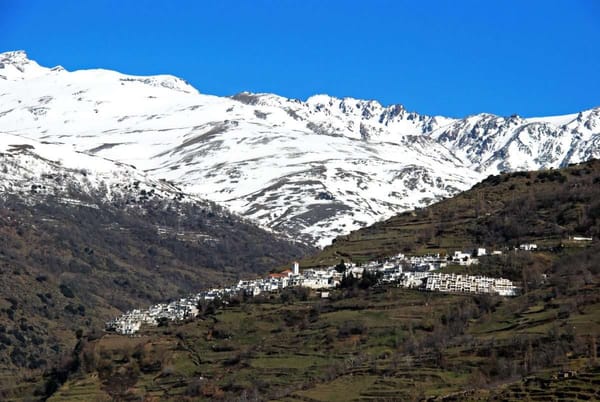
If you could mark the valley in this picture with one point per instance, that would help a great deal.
(119, 192)
(66, 268)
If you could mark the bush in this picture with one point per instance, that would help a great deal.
(552, 175)
(66, 291)
(351, 328)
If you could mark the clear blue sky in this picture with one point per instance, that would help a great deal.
(437, 57)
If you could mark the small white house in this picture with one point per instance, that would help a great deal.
(528, 247)
(581, 238)
(463, 258)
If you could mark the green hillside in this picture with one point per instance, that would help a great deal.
(382, 344)
(390, 344)
(65, 269)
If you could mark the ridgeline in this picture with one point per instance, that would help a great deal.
(547, 207)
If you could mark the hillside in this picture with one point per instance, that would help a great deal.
(67, 267)
(391, 343)
(84, 238)
(378, 344)
(312, 169)
(545, 207)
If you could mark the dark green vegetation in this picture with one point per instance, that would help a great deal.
(545, 207)
(66, 269)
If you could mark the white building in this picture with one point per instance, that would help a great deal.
(463, 258)
(528, 247)
(470, 284)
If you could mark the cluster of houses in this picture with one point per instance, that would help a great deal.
(131, 322)
(411, 272)
(470, 284)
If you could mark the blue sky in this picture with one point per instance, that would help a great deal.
(437, 57)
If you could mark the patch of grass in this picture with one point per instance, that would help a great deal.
(288, 362)
(88, 388)
(342, 389)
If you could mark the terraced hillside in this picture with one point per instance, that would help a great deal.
(391, 343)
(379, 344)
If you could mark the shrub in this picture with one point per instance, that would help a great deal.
(66, 291)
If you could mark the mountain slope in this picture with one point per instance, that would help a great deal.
(312, 169)
(83, 239)
(545, 207)
(391, 343)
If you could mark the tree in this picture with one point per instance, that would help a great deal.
(348, 281)
(341, 267)
(369, 279)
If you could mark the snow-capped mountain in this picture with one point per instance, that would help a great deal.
(312, 169)
(36, 170)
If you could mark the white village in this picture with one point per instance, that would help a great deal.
(414, 272)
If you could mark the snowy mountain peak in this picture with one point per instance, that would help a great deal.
(262, 99)
(346, 105)
(15, 57)
(164, 81)
(15, 65)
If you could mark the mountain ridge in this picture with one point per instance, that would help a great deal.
(312, 169)
(547, 207)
